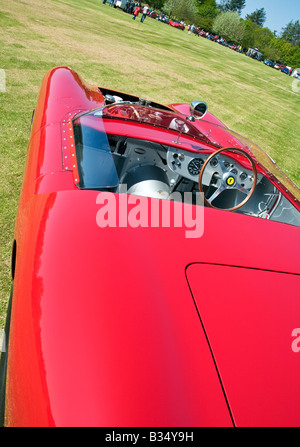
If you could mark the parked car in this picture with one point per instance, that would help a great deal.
(153, 14)
(269, 63)
(120, 4)
(254, 53)
(287, 70)
(232, 46)
(178, 25)
(279, 66)
(163, 18)
(155, 269)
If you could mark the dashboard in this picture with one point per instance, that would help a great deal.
(151, 169)
(189, 166)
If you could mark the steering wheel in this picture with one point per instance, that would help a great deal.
(221, 175)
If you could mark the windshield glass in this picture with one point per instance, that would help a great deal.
(151, 116)
(270, 166)
(96, 167)
(101, 142)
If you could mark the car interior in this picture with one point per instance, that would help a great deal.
(141, 167)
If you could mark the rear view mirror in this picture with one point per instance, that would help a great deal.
(198, 109)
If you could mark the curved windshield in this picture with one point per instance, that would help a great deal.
(115, 139)
(96, 167)
(269, 165)
(151, 116)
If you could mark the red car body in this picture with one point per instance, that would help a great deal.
(141, 326)
(178, 25)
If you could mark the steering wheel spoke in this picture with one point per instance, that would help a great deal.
(242, 188)
(216, 194)
(221, 164)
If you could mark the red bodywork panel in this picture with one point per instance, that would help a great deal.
(143, 326)
(248, 321)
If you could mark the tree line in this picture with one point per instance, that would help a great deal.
(224, 19)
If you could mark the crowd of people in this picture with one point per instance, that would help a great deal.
(111, 2)
(140, 9)
(131, 7)
(135, 8)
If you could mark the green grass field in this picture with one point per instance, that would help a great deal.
(151, 59)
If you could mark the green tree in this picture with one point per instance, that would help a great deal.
(230, 26)
(291, 33)
(294, 57)
(248, 40)
(259, 16)
(232, 5)
(156, 4)
(207, 12)
(208, 8)
(169, 7)
(276, 48)
(284, 50)
(263, 37)
(181, 9)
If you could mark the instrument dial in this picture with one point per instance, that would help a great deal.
(195, 165)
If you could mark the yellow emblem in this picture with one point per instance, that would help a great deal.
(230, 181)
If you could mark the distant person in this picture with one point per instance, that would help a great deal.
(136, 11)
(144, 13)
(104, 1)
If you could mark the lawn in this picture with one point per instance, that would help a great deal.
(151, 59)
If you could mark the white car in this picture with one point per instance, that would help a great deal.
(120, 3)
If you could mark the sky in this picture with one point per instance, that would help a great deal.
(279, 12)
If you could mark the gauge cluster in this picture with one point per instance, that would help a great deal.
(185, 163)
(195, 165)
(189, 166)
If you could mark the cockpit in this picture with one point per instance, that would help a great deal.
(158, 153)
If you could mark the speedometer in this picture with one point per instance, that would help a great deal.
(195, 165)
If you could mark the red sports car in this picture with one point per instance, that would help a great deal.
(176, 24)
(155, 270)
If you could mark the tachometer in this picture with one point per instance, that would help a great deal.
(195, 165)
